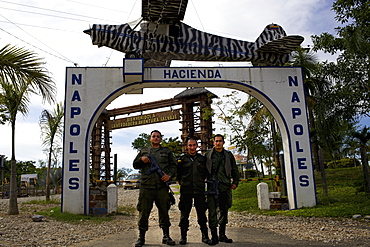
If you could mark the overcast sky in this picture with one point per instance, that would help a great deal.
(54, 30)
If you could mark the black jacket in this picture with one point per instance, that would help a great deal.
(191, 173)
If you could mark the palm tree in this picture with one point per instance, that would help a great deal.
(51, 128)
(314, 88)
(364, 136)
(21, 74)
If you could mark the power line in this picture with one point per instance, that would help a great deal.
(200, 21)
(65, 59)
(24, 11)
(51, 10)
(131, 10)
(62, 57)
(96, 6)
(28, 25)
(36, 13)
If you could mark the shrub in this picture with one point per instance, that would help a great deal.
(343, 163)
(249, 173)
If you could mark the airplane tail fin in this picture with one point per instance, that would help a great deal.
(274, 39)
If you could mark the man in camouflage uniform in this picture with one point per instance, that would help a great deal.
(153, 188)
(222, 166)
(191, 173)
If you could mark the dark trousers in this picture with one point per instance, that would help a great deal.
(146, 199)
(185, 206)
(225, 201)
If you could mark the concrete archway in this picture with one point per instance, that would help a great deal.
(89, 90)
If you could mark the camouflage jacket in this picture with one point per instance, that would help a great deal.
(165, 160)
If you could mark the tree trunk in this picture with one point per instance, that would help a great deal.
(323, 173)
(276, 150)
(365, 168)
(48, 175)
(315, 146)
(255, 166)
(13, 204)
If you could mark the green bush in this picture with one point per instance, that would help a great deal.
(343, 200)
(343, 163)
(249, 173)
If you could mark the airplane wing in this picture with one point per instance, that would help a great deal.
(163, 11)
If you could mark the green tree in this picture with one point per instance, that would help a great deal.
(174, 144)
(3, 117)
(51, 130)
(253, 129)
(141, 142)
(123, 172)
(354, 32)
(350, 73)
(233, 117)
(55, 177)
(26, 167)
(349, 96)
(21, 75)
(22, 167)
(144, 141)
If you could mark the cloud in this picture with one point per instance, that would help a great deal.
(62, 43)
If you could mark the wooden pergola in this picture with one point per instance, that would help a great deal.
(194, 103)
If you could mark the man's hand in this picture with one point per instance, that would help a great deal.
(145, 159)
(165, 177)
(233, 187)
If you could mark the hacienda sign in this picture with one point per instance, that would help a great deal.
(89, 90)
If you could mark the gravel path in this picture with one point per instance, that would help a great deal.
(20, 230)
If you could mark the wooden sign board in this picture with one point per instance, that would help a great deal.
(151, 118)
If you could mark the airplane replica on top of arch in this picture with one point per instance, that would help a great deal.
(164, 37)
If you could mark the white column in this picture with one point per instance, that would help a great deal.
(112, 199)
(263, 196)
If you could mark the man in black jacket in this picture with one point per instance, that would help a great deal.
(191, 174)
(153, 188)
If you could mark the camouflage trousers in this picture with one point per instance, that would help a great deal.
(145, 205)
(219, 215)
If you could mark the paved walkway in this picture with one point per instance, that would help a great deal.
(241, 236)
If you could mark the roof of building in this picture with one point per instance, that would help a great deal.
(194, 91)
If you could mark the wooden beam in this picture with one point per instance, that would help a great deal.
(144, 107)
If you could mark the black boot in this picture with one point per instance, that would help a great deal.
(184, 232)
(223, 237)
(141, 240)
(205, 238)
(214, 239)
(166, 237)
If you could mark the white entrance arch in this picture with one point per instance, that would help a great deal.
(89, 90)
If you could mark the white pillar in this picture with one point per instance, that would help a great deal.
(112, 199)
(263, 196)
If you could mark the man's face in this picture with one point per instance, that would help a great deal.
(218, 143)
(192, 147)
(155, 138)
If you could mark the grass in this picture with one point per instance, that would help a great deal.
(52, 209)
(56, 213)
(344, 197)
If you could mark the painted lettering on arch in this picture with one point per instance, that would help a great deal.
(75, 112)
(298, 130)
(191, 74)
